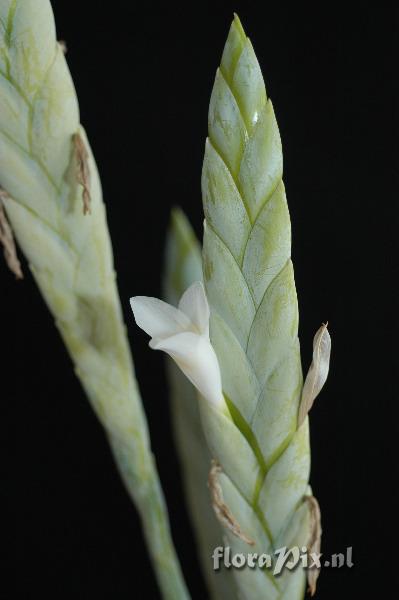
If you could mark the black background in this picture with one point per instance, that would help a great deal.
(143, 77)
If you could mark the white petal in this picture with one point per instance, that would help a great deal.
(318, 371)
(196, 357)
(157, 318)
(195, 305)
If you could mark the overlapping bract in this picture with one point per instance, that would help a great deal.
(69, 254)
(250, 286)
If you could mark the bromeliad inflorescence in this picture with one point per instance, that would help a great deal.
(234, 336)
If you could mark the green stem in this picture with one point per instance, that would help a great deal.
(138, 471)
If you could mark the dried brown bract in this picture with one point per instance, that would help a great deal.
(83, 171)
(318, 371)
(314, 541)
(7, 241)
(222, 511)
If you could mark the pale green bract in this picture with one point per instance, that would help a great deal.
(183, 266)
(249, 280)
(48, 178)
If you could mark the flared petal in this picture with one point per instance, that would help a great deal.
(157, 318)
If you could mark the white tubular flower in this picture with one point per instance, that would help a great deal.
(183, 333)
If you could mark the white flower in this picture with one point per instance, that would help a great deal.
(183, 333)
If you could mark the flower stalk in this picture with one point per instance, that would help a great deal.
(51, 195)
(263, 452)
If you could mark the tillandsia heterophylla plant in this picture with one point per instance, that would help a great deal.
(257, 427)
(51, 199)
(235, 339)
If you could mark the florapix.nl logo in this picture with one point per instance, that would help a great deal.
(282, 558)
